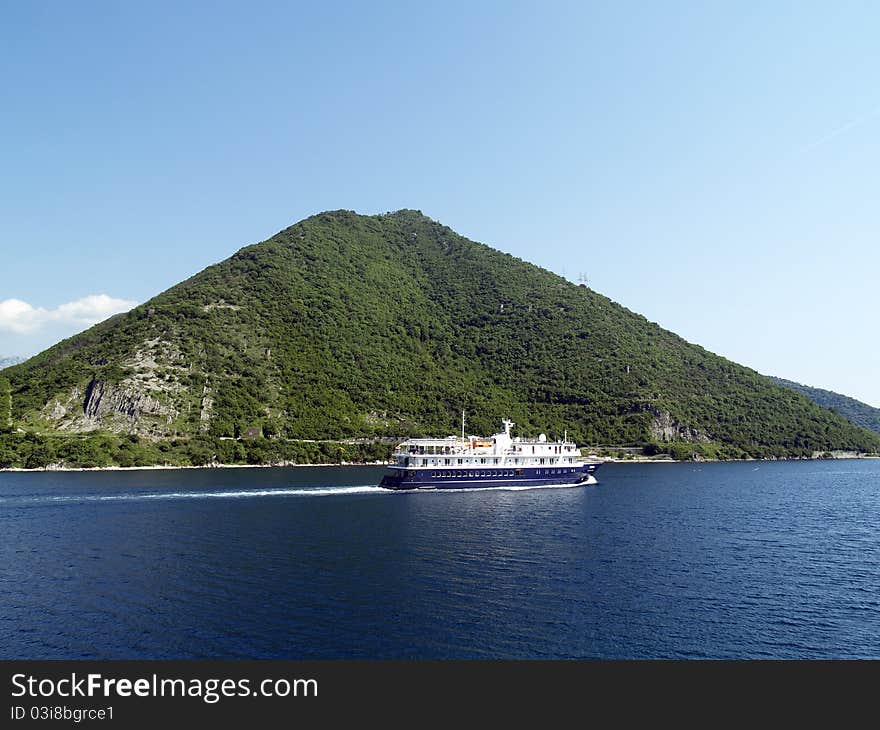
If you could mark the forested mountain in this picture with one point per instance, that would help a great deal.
(346, 326)
(851, 409)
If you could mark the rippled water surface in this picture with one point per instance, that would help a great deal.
(768, 560)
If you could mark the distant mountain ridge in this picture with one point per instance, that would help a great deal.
(8, 362)
(851, 409)
(346, 326)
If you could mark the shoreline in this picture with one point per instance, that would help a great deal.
(170, 467)
(283, 465)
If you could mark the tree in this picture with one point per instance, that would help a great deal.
(5, 405)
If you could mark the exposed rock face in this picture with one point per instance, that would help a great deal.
(54, 410)
(102, 400)
(666, 428)
(222, 304)
(206, 409)
(146, 401)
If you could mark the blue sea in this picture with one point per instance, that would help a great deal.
(695, 561)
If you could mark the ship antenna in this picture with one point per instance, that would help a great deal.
(462, 425)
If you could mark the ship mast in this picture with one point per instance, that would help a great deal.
(462, 425)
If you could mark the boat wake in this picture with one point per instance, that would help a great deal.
(193, 495)
(54, 499)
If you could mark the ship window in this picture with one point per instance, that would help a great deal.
(459, 461)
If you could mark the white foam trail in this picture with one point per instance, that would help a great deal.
(281, 492)
(224, 494)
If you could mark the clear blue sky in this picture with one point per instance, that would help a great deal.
(713, 166)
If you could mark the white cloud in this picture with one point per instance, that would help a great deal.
(22, 318)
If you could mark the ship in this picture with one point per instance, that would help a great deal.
(499, 461)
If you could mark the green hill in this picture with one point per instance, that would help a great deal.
(346, 326)
(851, 409)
